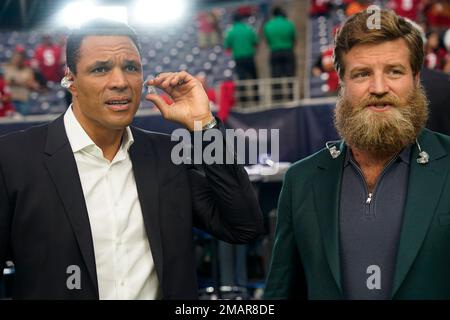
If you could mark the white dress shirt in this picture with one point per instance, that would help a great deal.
(124, 262)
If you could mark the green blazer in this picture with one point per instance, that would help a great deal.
(306, 259)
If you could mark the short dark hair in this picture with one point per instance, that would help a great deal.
(237, 17)
(278, 12)
(97, 27)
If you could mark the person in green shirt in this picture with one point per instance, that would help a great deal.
(242, 40)
(280, 35)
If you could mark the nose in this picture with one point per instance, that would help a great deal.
(118, 80)
(378, 85)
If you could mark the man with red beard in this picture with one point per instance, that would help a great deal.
(368, 217)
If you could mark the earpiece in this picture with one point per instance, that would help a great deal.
(333, 151)
(423, 157)
(66, 82)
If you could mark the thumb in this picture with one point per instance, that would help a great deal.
(160, 104)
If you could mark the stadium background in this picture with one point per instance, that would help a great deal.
(189, 35)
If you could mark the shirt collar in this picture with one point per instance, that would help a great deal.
(405, 154)
(402, 156)
(79, 139)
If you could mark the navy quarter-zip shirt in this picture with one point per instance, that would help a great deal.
(370, 226)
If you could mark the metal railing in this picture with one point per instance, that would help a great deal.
(265, 93)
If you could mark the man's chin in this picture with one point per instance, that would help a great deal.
(383, 140)
(120, 120)
(383, 150)
(380, 133)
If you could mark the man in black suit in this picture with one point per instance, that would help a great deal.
(91, 208)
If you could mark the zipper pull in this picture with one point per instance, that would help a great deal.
(369, 199)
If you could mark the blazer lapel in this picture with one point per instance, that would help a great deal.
(424, 190)
(327, 187)
(143, 157)
(60, 163)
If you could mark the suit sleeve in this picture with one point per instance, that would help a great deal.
(224, 201)
(286, 276)
(5, 222)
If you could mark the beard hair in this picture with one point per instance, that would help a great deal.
(381, 133)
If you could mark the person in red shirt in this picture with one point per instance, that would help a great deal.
(6, 107)
(319, 8)
(434, 53)
(208, 29)
(325, 65)
(328, 67)
(406, 8)
(437, 13)
(47, 59)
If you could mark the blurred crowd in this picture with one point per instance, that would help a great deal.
(23, 75)
(249, 26)
(239, 34)
(433, 16)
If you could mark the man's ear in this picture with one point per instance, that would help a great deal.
(417, 79)
(69, 80)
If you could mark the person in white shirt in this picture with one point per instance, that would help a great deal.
(93, 208)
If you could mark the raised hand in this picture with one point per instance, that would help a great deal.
(190, 100)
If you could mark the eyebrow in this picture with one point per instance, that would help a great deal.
(108, 63)
(367, 68)
(132, 61)
(99, 64)
(359, 69)
(396, 65)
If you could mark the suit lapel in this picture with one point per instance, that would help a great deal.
(327, 187)
(424, 190)
(60, 163)
(143, 157)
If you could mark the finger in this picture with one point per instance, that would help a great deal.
(159, 102)
(177, 80)
(159, 79)
(185, 77)
(167, 82)
(170, 81)
(151, 82)
(174, 81)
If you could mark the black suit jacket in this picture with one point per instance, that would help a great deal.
(44, 224)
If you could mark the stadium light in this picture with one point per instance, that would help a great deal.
(77, 13)
(159, 13)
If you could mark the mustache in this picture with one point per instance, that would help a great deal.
(379, 100)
